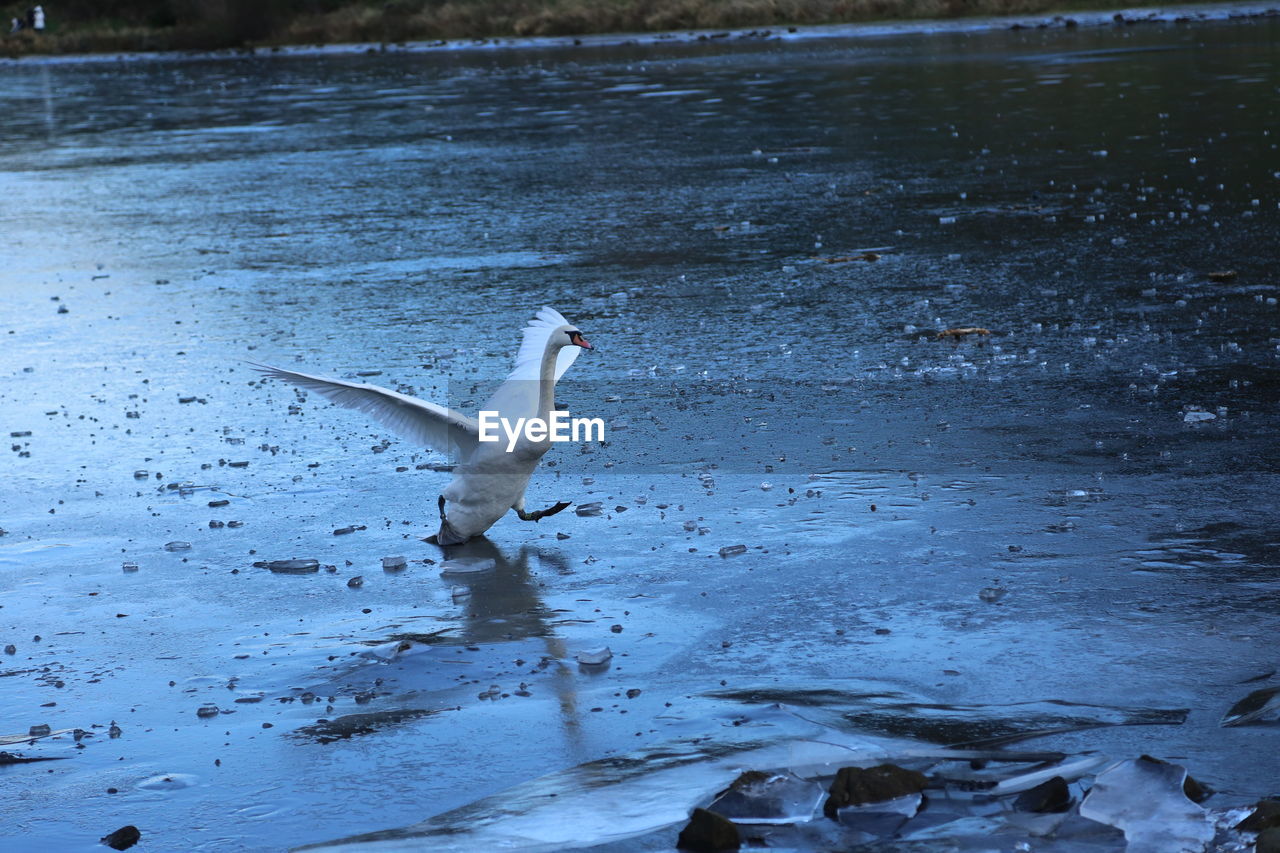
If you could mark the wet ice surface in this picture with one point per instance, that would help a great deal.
(946, 540)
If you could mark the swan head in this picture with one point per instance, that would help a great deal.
(575, 338)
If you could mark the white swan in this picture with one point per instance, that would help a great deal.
(489, 479)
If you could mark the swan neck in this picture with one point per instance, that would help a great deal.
(547, 381)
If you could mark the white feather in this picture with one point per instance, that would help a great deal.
(426, 423)
(534, 344)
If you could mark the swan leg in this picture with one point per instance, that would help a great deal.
(542, 513)
(447, 534)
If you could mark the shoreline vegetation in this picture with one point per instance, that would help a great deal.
(144, 26)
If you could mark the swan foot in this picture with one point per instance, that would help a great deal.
(542, 513)
(447, 535)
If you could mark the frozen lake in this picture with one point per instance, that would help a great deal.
(1069, 521)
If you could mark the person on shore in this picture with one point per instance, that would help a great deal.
(15, 26)
(37, 19)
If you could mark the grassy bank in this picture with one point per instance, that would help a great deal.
(99, 26)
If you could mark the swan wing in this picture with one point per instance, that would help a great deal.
(429, 424)
(534, 344)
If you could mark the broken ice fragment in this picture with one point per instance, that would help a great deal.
(1253, 706)
(460, 593)
(391, 563)
(880, 819)
(733, 550)
(294, 567)
(965, 827)
(206, 711)
(992, 594)
(467, 565)
(770, 798)
(1197, 417)
(177, 546)
(40, 730)
(1196, 792)
(1145, 800)
(1070, 772)
(594, 657)
(592, 508)
(129, 567)
(356, 582)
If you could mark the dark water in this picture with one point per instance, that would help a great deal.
(702, 212)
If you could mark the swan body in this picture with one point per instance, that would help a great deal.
(491, 476)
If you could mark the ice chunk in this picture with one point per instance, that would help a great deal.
(964, 827)
(776, 798)
(294, 567)
(880, 819)
(592, 508)
(1145, 799)
(392, 563)
(129, 567)
(733, 550)
(466, 565)
(177, 546)
(1197, 417)
(1070, 771)
(594, 657)
(1253, 706)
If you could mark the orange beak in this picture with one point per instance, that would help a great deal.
(582, 342)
